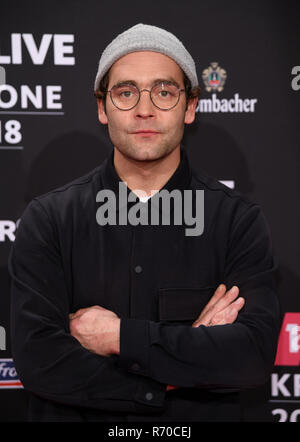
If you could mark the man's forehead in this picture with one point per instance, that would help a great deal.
(145, 66)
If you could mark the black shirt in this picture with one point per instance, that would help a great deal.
(157, 280)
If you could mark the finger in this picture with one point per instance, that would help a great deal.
(229, 314)
(227, 299)
(224, 300)
(225, 316)
(218, 294)
(202, 318)
(239, 303)
(83, 310)
(78, 313)
(74, 315)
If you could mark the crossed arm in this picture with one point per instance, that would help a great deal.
(65, 358)
(98, 329)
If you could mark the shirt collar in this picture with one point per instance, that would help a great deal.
(180, 179)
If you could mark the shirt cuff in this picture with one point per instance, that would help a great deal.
(134, 346)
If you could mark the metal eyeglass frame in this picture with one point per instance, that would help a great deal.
(147, 90)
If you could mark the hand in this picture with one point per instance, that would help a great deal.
(222, 308)
(97, 329)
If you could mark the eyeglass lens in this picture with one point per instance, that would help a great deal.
(163, 95)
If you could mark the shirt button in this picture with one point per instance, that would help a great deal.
(138, 269)
(135, 366)
(149, 396)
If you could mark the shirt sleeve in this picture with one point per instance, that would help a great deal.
(237, 355)
(50, 362)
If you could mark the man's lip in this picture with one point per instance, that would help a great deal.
(145, 132)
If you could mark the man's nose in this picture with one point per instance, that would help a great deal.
(145, 108)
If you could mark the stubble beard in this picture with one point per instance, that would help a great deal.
(146, 150)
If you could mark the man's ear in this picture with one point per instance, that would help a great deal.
(101, 111)
(191, 110)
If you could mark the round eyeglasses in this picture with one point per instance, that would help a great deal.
(164, 95)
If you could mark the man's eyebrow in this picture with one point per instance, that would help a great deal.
(124, 82)
(169, 79)
(157, 80)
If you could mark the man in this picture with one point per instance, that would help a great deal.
(120, 321)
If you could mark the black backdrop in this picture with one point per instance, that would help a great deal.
(51, 49)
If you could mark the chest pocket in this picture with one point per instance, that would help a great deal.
(182, 305)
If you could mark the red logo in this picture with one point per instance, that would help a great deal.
(8, 375)
(288, 350)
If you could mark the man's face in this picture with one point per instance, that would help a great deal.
(144, 69)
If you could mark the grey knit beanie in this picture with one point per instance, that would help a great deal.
(147, 38)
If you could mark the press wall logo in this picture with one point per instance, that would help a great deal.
(8, 230)
(288, 349)
(214, 78)
(31, 99)
(285, 386)
(2, 75)
(8, 375)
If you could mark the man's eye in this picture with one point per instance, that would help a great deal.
(126, 94)
(164, 93)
